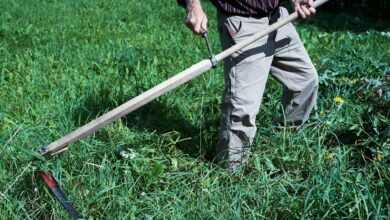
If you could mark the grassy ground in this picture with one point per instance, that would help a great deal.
(62, 63)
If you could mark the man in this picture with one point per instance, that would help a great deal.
(281, 53)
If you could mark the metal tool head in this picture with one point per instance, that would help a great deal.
(45, 151)
(42, 150)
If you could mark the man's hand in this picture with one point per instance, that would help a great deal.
(196, 19)
(305, 8)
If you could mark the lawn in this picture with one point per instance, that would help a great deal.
(63, 63)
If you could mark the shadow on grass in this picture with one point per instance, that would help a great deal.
(356, 21)
(366, 144)
(154, 117)
(352, 19)
(162, 118)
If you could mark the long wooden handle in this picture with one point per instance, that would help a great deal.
(61, 144)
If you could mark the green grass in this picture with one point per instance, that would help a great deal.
(63, 63)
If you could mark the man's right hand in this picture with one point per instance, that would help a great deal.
(305, 8)
(196, 19)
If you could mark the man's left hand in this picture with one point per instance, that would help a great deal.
(305, 8)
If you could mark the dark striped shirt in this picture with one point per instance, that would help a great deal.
(247, 8)
(252, 8)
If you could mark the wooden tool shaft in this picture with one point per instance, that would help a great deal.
(59, 145)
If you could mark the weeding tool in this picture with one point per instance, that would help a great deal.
(179, 79)
(133, 104)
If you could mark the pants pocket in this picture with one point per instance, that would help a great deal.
(233, 27)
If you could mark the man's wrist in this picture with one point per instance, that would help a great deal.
(191, 4)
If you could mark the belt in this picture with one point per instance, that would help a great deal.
(274, 15)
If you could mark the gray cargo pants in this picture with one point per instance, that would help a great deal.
(281, 53)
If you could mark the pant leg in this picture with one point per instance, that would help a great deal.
(293, 67)
(246, 73)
